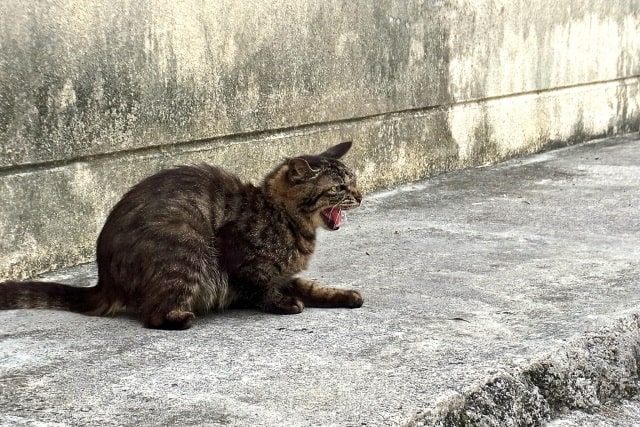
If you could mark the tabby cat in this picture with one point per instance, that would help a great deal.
(195, 239)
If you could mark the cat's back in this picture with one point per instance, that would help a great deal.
(172, 201)
(182, 182)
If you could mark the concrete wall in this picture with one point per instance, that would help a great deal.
(95, 95)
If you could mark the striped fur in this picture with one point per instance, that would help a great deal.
(194, 239)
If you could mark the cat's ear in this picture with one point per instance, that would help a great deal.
(337, 151)
(300, 170)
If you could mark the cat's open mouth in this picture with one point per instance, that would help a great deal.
(332, 217)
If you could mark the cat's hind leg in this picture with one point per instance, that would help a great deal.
(314, 295)
(170, 307)
(176, 319)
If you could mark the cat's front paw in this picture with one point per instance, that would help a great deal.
(354, 299)
(294, 306)
(286, 305)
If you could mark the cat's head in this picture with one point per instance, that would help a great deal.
(316, 187)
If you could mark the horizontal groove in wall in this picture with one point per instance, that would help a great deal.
(307, 128)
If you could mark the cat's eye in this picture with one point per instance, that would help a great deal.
(335, 189)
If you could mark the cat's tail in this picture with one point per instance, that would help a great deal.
(86, 300)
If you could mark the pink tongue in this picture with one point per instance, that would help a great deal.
(335, 217)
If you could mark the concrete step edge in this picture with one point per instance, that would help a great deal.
(582, 373)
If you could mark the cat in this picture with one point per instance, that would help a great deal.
(195, 239)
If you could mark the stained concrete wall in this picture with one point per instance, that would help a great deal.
(96, 95)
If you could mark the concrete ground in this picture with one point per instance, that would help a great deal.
(506, 295)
